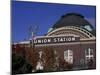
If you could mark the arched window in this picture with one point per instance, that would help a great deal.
(68, 56)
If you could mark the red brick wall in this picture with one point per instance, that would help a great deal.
(78, 52)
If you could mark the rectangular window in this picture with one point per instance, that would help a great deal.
(68, 56)
(89, 54)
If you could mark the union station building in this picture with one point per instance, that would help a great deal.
(70, 44)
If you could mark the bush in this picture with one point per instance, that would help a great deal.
(20, 65)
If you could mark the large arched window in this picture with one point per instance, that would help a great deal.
(68, 56)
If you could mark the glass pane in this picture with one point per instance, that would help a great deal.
(91, 52)
(87, 52)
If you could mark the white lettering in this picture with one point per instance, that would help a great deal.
(35, 41)
(55, 40)
(49, 40)
(69, 39)
(39, 41)
(61, 39)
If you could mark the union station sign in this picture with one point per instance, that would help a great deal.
(59, 39)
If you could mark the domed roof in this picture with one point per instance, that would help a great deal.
(71, 19)
(74, 19)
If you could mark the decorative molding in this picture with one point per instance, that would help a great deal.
(72, 29)
(72, 43)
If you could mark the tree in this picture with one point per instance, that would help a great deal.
(20, 65)
(49, 59)
(65, 65)
(90, 63)
(32, 56)
(22, 57)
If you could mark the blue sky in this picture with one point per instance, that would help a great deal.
(44, 15)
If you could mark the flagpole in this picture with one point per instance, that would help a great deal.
(32, 39)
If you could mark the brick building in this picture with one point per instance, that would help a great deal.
(69, 45)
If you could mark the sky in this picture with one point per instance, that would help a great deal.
(44, 15)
